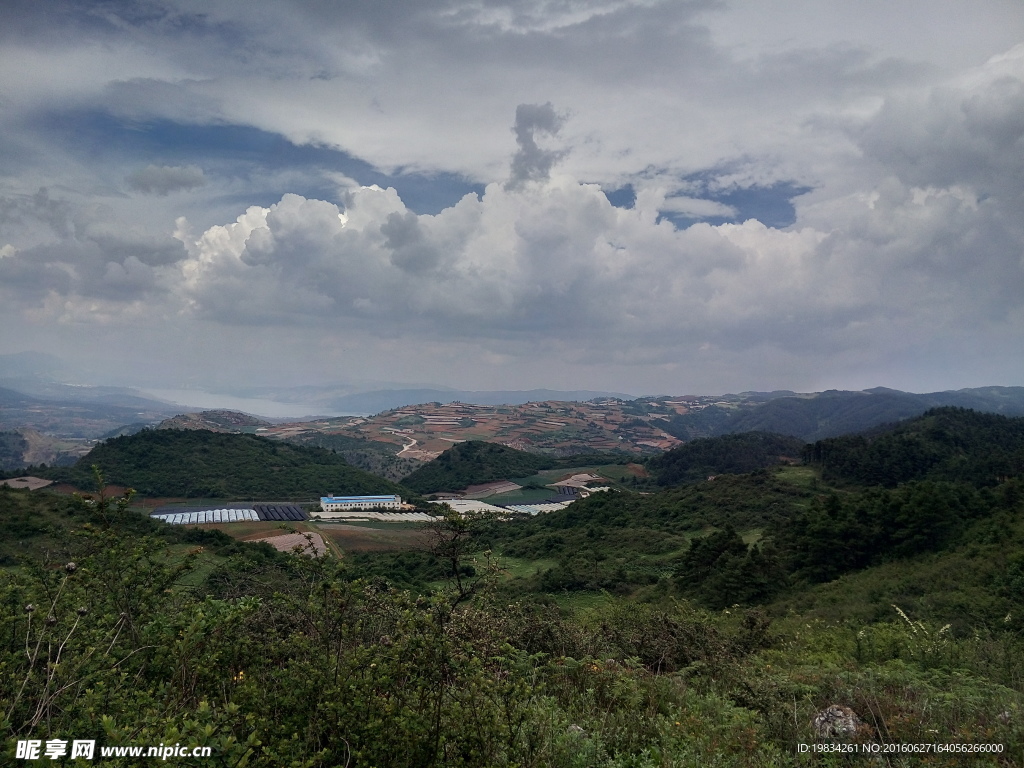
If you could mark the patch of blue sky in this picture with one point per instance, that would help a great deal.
(772, 204)
(245, 152)
(623, 197)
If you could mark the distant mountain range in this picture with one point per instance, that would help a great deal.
(387, 399)
(37, 395)
(819, 415)
(81, 418)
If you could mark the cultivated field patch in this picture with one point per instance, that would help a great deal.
(363, 538)
(257, 529)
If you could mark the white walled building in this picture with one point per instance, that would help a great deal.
(334, 503)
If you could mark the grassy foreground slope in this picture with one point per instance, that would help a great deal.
(165, 635)
(197, 463)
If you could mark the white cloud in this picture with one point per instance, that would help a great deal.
(696, 207)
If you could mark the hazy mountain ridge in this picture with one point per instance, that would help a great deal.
(77, 419)
(832, 413)
(645, 424)
(387, 399)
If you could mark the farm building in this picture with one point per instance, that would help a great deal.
(334, 503)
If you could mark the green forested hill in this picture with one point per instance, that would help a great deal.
(732, 454)
(194, 463)
(474, 462)
(829, 413)
(373, 456)
(950, 444)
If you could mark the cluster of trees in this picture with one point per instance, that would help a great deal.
(839, 534)
(12, 450)
(720, 570)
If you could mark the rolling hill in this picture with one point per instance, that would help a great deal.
(728, 454)
(214, 421)
(474, 461)
(197, 463)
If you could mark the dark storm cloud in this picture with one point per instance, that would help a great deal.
(531, 163)
(971, 134)
(410, 249)
(162, 180)
(81, 250)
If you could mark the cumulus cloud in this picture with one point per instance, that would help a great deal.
(162, 180)
(560, 260)
(926, 250)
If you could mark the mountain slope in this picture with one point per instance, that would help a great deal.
(73, 418)
(12, 450)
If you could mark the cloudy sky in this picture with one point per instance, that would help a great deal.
(634, 195)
